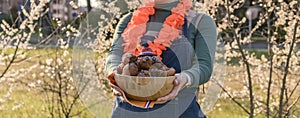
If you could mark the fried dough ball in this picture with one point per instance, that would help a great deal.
(144, 73)
(165, 71)
(144, 66)
(120, 68)
(128, 57)
(144, 63)
(130, 69)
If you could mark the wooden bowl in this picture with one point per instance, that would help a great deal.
(144, 88)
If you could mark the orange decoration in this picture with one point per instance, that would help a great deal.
(111, 78)
(170, 31)
(175, 21)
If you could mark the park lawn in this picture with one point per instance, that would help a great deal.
(23, 103)
(26, 102)
(226, 109)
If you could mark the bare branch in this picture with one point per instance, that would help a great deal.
(233, 99)
(12, 60)
(281, 104)
(250, 88)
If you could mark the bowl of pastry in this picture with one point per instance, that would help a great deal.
(144, 77)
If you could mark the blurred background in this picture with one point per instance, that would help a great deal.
(52, 57)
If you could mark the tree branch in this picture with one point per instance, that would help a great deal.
(233, 99)
(270, 53)
(286, 71)
(12, 60)
(250, 87)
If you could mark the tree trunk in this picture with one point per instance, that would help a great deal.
(89, 6)
(286, 71)
(270, 52)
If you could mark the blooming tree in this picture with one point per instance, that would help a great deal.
(275, 74)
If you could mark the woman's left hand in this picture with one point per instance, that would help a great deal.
(179, 83)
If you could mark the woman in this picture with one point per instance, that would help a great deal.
(181, 40)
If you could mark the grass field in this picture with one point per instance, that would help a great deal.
(19, 100)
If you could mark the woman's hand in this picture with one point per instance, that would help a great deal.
(116, 90)
(179, 83)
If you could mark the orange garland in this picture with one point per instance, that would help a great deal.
(170, 31)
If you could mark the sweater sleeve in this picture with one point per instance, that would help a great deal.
(115, 53)
(205, 47)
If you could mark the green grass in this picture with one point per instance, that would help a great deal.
(34, 104)
(228, 109)
(258, 38)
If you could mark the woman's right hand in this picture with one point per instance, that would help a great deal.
(116, 90)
